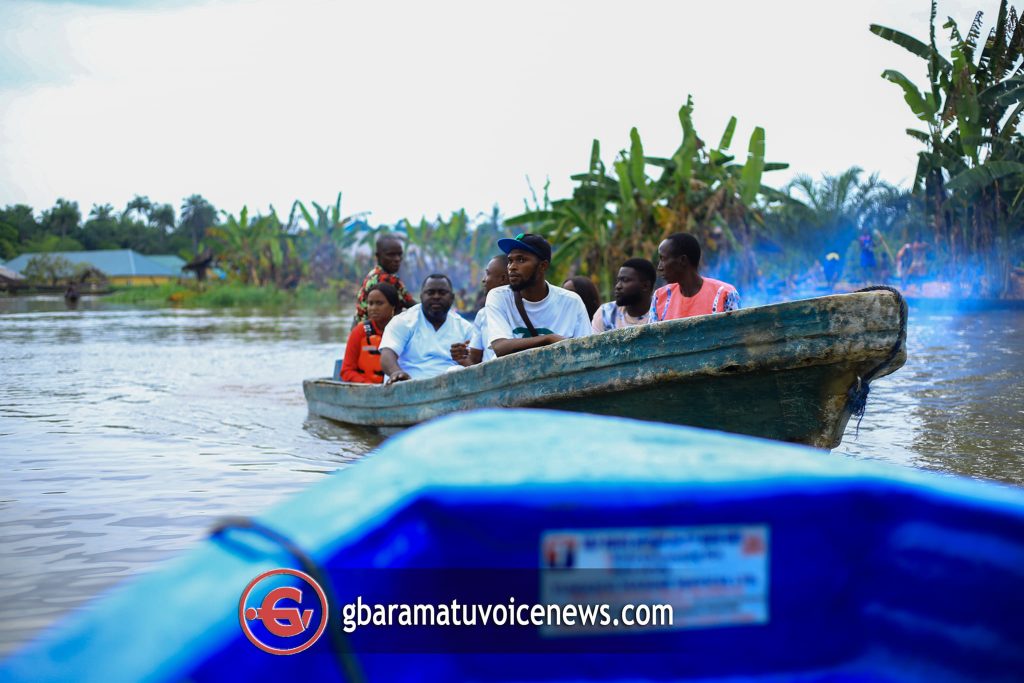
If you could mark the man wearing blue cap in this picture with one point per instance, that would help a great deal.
(529, 312)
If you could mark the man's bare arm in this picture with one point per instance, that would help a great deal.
(389, 363)
(503, 347)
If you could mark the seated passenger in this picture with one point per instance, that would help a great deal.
(362, 353)
(634, 288)
(495, 275)
(528, 313)
(687, 293)
(417, 343)
(586, 290)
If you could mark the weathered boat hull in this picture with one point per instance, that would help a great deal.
(785, 372)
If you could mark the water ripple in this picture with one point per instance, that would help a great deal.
(127, 433)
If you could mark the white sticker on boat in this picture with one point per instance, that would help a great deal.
(712, 576)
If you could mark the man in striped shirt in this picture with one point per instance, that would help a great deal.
(687, 293)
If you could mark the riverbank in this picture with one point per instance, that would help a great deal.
(227, 295)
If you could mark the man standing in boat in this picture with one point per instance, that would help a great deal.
(389, 259)
(529, 312)
(687, 293)
(417, 344)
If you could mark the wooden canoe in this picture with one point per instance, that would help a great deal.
(792, 372)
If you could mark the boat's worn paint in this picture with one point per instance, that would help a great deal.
(781, 372)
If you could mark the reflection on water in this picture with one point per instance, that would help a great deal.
(127, 432)
(958, 404)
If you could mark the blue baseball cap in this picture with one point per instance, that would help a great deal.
(527, 241)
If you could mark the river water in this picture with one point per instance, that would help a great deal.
(126, 432)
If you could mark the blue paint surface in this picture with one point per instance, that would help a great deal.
(876, 572)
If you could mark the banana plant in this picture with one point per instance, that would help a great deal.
(612, 216)
(970, 173)
(328, 239)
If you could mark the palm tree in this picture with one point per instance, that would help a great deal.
(197, 215)
(828, 214)
(161, 217)
(101, 212)
(138, 208)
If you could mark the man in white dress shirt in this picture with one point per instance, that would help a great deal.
(417, 343)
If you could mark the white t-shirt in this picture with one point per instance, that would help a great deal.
(560, 312)
(479, 339)
(423, 351)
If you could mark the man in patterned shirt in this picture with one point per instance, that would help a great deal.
(687, 293)
(389, 260)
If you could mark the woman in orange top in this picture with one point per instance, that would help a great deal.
(362, 356)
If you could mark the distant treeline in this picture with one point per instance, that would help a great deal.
(964, 210)
(145, 226)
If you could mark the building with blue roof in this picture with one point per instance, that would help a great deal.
(121, 266)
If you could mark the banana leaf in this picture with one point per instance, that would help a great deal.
(980, 177)
(994, 93)
(911, 44)
(533, 217)
(727, 135)
(750, 179)
(923, 106)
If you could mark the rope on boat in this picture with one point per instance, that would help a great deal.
(339, 643)
(857, 396)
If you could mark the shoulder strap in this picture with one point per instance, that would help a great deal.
(522, 313)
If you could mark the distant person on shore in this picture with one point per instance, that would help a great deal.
(687, 293)
(417, 343)
(912, 261)
(528, 313)
(476, 351)
(389, 259)
(634, 289)
(362, 353)
(585, 288)
(868, 263)
(833, 269)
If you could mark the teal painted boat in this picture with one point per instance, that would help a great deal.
(793, 372)
(784, 566)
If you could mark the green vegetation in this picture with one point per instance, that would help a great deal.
(702, 190)
(970, 175)
(965, 207)
(217, 295)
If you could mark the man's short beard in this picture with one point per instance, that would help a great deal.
(439, 319)
(524, 284)
(629, 299)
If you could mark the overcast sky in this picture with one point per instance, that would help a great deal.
(415, 108)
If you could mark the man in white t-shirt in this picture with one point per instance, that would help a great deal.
(551, 313)
(417, 343)
(476, 351)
